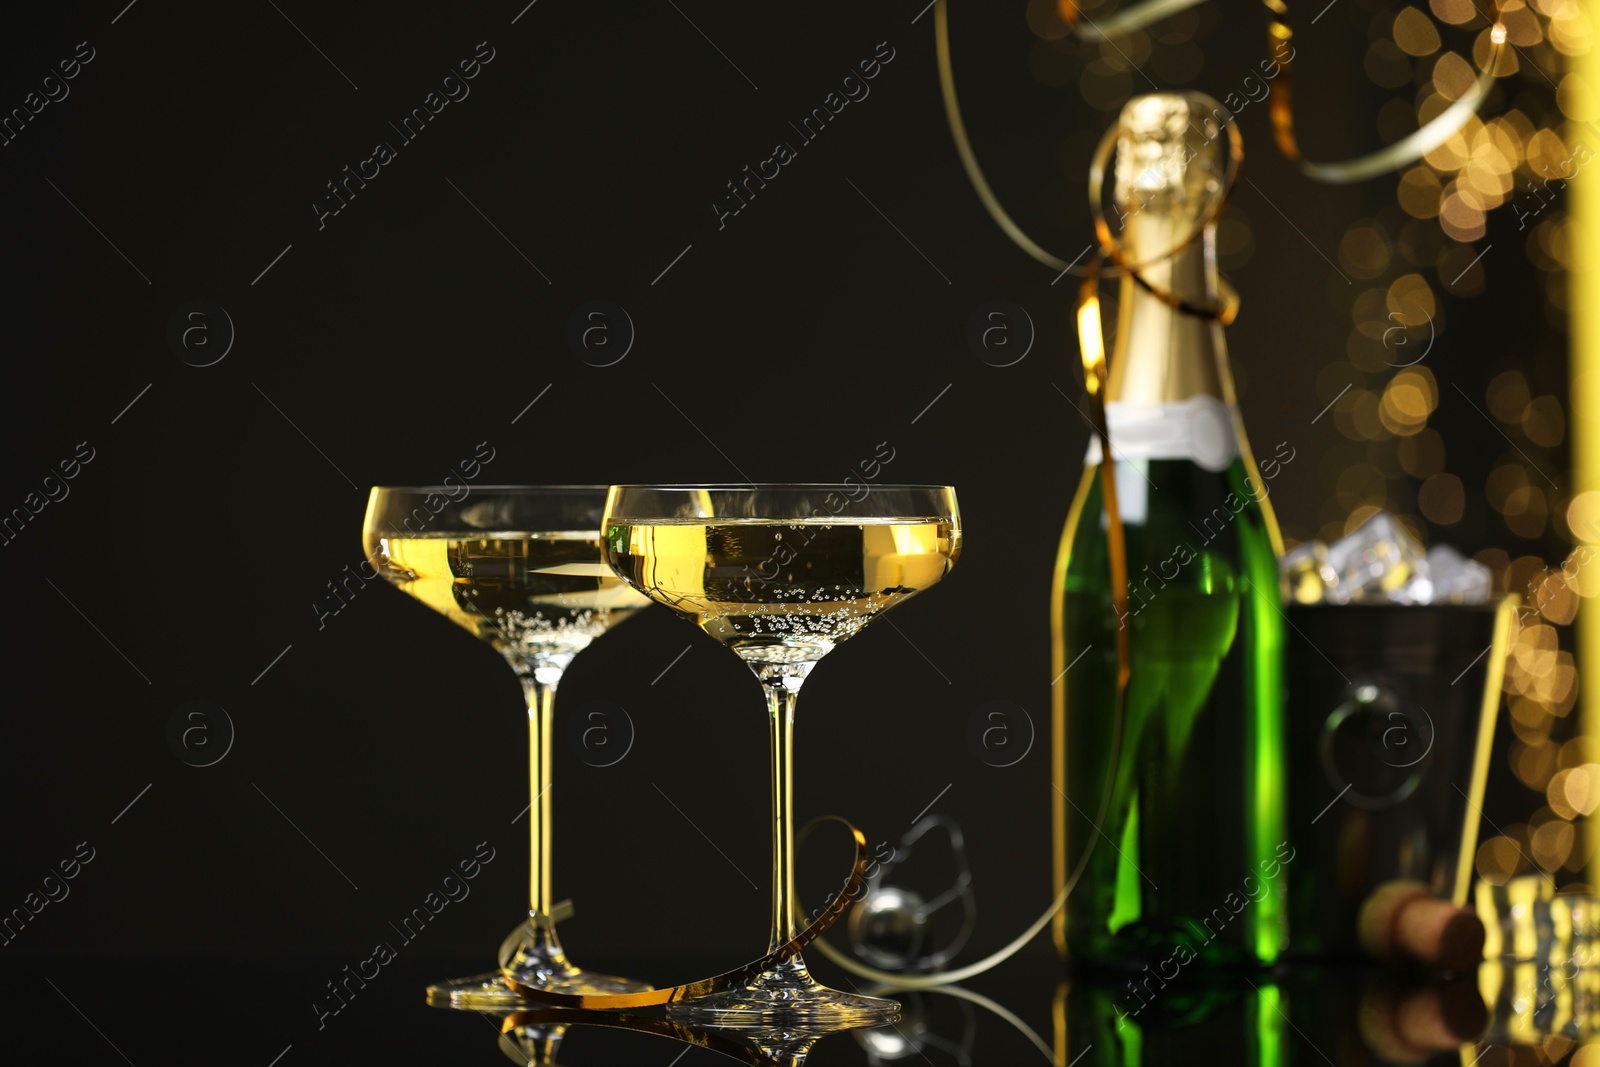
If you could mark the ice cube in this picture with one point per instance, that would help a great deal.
(1419, 590)
(1378, 561)
(1457, 579)
(1306, 568)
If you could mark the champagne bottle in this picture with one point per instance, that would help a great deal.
(1188, 862)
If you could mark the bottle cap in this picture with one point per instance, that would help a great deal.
(1171, 153)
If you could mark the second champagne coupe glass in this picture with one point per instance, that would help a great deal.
(520, 568)
(781, 574)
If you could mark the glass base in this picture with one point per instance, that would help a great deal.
(786, 995)
(533, 1046)
(491, 991)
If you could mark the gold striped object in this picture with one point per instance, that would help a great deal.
(721, 983)
(1408, 149)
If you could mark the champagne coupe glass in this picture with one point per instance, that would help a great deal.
(517, 566)
(781, 574)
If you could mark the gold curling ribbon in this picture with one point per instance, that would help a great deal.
(969, 159)
(1123, 20)
(991, 203)
(1408, 149)
(728, 980)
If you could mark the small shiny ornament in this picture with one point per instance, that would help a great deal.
(896, 928)
(912, 1038)
(903, 1041)
(890, 928)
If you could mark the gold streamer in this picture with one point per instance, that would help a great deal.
(969, 161)
(728, 980)
(991, 203)
(1409, 148)
(1123, 20)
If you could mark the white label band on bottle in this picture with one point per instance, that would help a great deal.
(1198, 429)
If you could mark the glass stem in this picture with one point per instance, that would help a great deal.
(539, 688)
(781, 695)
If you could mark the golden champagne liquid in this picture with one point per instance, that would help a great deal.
(782, 591)
(528, 594)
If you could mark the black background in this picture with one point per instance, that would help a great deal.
(382, 348)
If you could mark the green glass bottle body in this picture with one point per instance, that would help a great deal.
(1190, 856)
(1191, 850)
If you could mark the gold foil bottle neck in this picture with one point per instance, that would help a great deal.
(1171, 173)
(1170, 154)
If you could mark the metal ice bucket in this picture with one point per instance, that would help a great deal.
(1391, 717)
